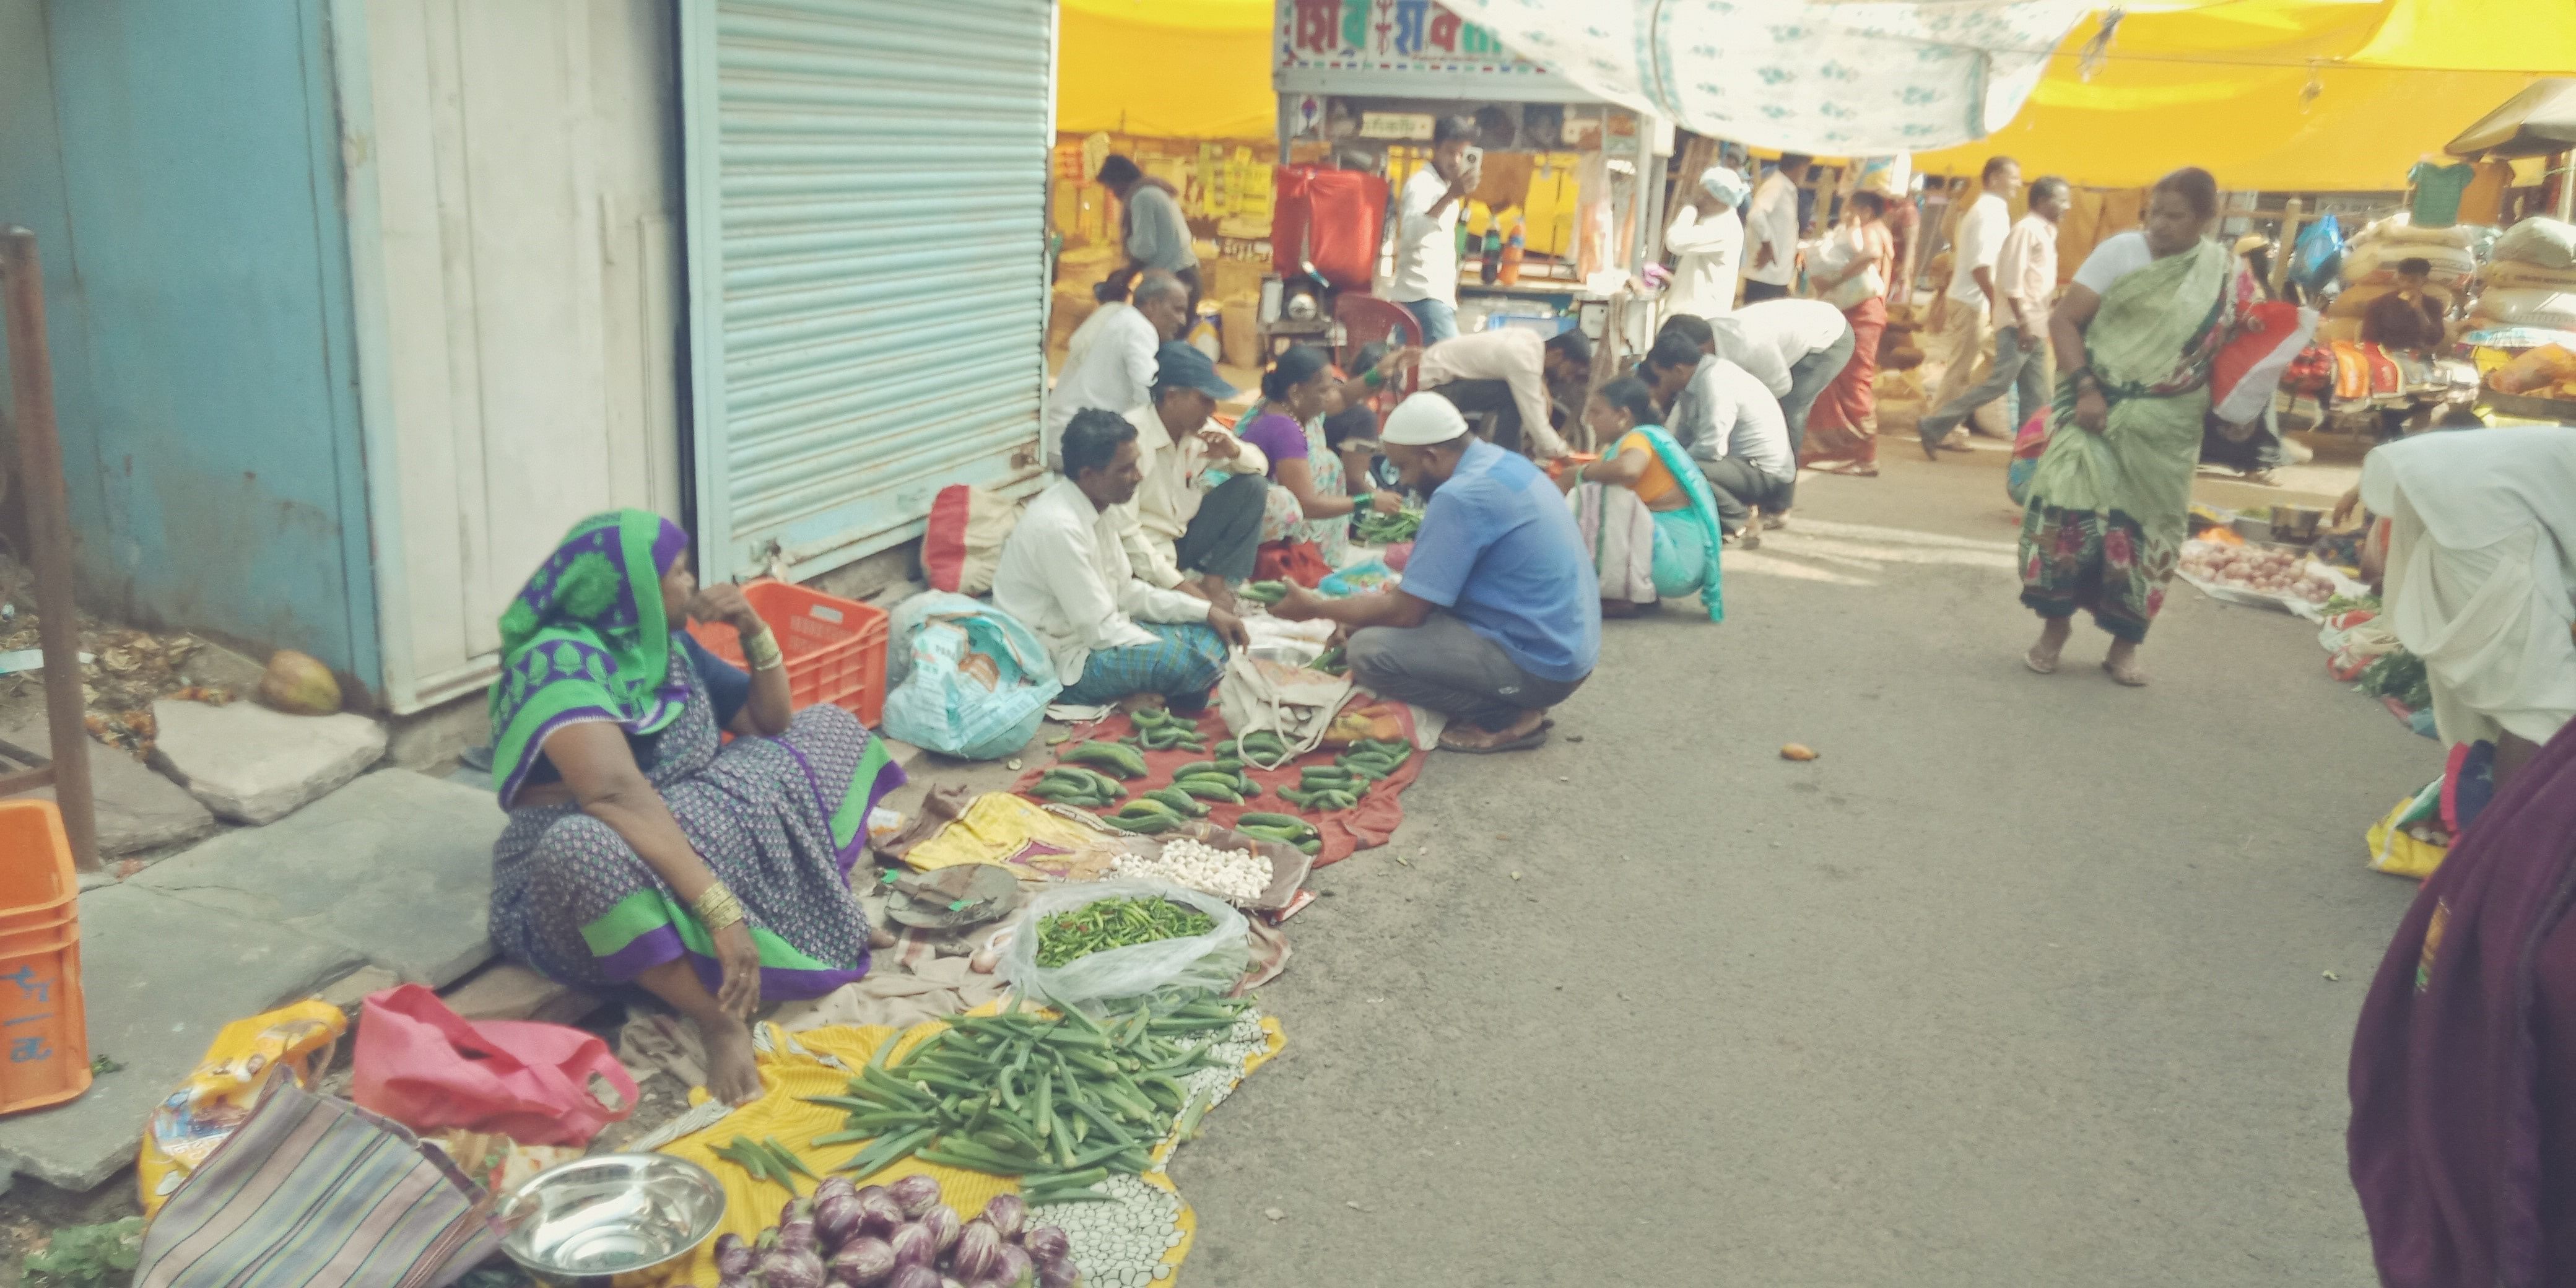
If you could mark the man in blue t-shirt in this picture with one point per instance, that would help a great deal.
(1498, 616)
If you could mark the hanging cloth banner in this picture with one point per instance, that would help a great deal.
(1829, 77)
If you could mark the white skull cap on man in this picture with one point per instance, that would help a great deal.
(1423, 420)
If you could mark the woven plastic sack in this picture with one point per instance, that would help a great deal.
(970, 680)
(1210, 962)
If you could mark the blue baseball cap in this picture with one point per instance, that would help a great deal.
(1180, 363)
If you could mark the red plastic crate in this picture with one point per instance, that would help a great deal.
(835, 647)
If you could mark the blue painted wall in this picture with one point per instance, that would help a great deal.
(188, 196)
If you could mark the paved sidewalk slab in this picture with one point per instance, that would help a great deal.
(253, 765)
(396, 867)
(160, 975)
(137, 809)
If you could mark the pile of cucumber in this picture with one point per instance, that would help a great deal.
(1321, 789)
(1164, 808)
(1073, 781)
(1287, 829)
(1160, 730)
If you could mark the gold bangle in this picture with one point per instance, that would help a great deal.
(717, 907)
(761, 650)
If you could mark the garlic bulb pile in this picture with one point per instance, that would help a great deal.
(1236, 876)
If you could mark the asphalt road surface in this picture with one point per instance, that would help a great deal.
(2024, 982)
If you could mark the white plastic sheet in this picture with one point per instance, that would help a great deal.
(1831, 77)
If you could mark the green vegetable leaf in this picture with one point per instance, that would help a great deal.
(90, 1256)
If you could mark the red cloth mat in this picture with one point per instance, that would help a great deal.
(1363, 826)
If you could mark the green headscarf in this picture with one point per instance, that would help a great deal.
(587, 639)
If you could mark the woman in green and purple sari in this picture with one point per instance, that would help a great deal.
(641, 849)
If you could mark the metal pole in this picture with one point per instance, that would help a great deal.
(40, 465)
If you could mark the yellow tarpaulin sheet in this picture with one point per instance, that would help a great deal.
(1175, 69)
(2281, 95)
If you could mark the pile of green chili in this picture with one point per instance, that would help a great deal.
(1077, 933)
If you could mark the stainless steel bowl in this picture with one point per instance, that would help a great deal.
(610, 1214)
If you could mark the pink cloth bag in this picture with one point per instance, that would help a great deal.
(429, 1069)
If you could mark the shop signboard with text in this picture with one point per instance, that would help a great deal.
(1402, 48)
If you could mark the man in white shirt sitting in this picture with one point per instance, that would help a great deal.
(1117, 371)
(1195, 524)
(1772, 223)
(1065, 574)
(1733, 428)
(1507, 373)
(1426, 229)
(1794, 347)
(1961, 313)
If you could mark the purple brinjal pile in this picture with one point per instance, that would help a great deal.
(897, 1236)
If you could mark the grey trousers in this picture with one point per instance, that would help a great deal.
(1445, 665)
(2020, 364)
(1224, 537)
(1808, 378)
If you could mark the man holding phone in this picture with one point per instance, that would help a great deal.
(1426, 228)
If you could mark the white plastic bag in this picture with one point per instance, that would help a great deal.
(1213, 961)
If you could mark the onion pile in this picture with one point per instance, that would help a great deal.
(2265, 572)
(897, 1236)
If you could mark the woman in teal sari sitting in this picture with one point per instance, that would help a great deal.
(1646, 514)
(640, 849)
(2109, 500)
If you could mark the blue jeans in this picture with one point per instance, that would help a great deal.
(1439, 319)
(2019, 365)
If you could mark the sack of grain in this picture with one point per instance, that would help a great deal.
(2450, 265)
(2539, 240)
(2530, 306)
(2509, 272)
(2399, 228)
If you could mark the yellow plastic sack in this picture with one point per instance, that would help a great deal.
(2395, 852)
(217, 1098)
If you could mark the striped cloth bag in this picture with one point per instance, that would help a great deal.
(316, 1192)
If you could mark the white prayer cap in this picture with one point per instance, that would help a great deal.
(1422, 420)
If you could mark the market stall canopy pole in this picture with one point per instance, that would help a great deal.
(1831, 77)
(2534, 123)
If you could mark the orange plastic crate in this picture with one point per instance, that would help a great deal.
(835, 647)
(44, 1025)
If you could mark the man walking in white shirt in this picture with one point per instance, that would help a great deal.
(1426, 229)
(1117, 371)
(1960, 313)
(1772, 223)
(1064, 573)
(2026, 281)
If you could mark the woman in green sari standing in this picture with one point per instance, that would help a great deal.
(2108, 503)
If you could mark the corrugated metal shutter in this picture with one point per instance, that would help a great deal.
(867, 225)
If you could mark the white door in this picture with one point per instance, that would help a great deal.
(512, 167)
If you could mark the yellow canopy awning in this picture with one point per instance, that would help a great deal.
(1181, 69)
(2295, 95)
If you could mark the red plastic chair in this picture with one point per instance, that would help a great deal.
(1366, 319)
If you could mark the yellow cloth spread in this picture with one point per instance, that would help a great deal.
(1000, 827)
(788, 1078)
